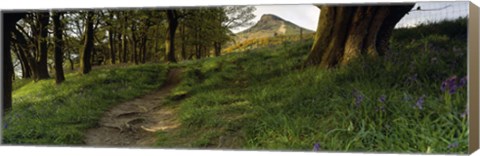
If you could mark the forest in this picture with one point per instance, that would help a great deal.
(180, 78)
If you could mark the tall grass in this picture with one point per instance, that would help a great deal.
(50, 114)
(406, 101)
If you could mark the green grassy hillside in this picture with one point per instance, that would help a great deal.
(44, 113)
(411, 100)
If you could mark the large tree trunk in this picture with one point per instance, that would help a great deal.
(43, 47)
(9, 21)
(57, 30)
(347, 32)
(170, 41)
(85, 56)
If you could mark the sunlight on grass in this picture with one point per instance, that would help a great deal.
(46, 113)
(393, 104)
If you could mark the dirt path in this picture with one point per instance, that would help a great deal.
(134, 123)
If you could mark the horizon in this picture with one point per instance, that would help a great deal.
(307, 16)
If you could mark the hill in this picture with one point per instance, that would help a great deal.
(269, 26)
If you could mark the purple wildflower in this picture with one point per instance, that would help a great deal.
(316, 147)
(382, 99)
(358, 100)
(5, 126)
(452, 85)
(443, 86)
(453, 88)
(414, 77)
(462, 82)
(381, 108)
(453, 145)
(420, 102)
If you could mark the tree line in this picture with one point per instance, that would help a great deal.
(43, 43)
(170, 35)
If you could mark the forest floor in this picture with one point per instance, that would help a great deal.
(134, 123)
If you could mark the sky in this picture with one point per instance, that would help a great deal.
(307, 16)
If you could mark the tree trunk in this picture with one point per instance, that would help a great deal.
(57, 30)
(43, 47)
(111, 40)
(124, 40)
(26, 71)
(170, 41)
(346, 32)
(85, 56)
(144, 48)
(218, 48)
(9, 21)
(184, 52)
(134, 44)
(30, 59)
(125, 48)
(119, 46)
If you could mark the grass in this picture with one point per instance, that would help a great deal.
(45, 113)
(260, 100)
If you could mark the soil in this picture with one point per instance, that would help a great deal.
(134, 123)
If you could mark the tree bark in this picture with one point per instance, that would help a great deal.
(26, 70)
(134, 44)
(347, 32)
(183, 50)
(170, 41)
(43, 47)
(111, 40)
(112, 44)
(124, 40)
(23, 47)
(144, 49)
(85, 56)
(57, 30)
(119, 46)
(218, 48)
(9, 21)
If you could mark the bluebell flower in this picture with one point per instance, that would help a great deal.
(414, 77)
(443, 86)
(453, 88)
(382, 98)
(420, 102)
(453, 145)
(463, 81)
(452, 85)
(316, 147)
(358, 99)
(381, 108)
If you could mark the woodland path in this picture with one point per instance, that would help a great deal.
(134, 123)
